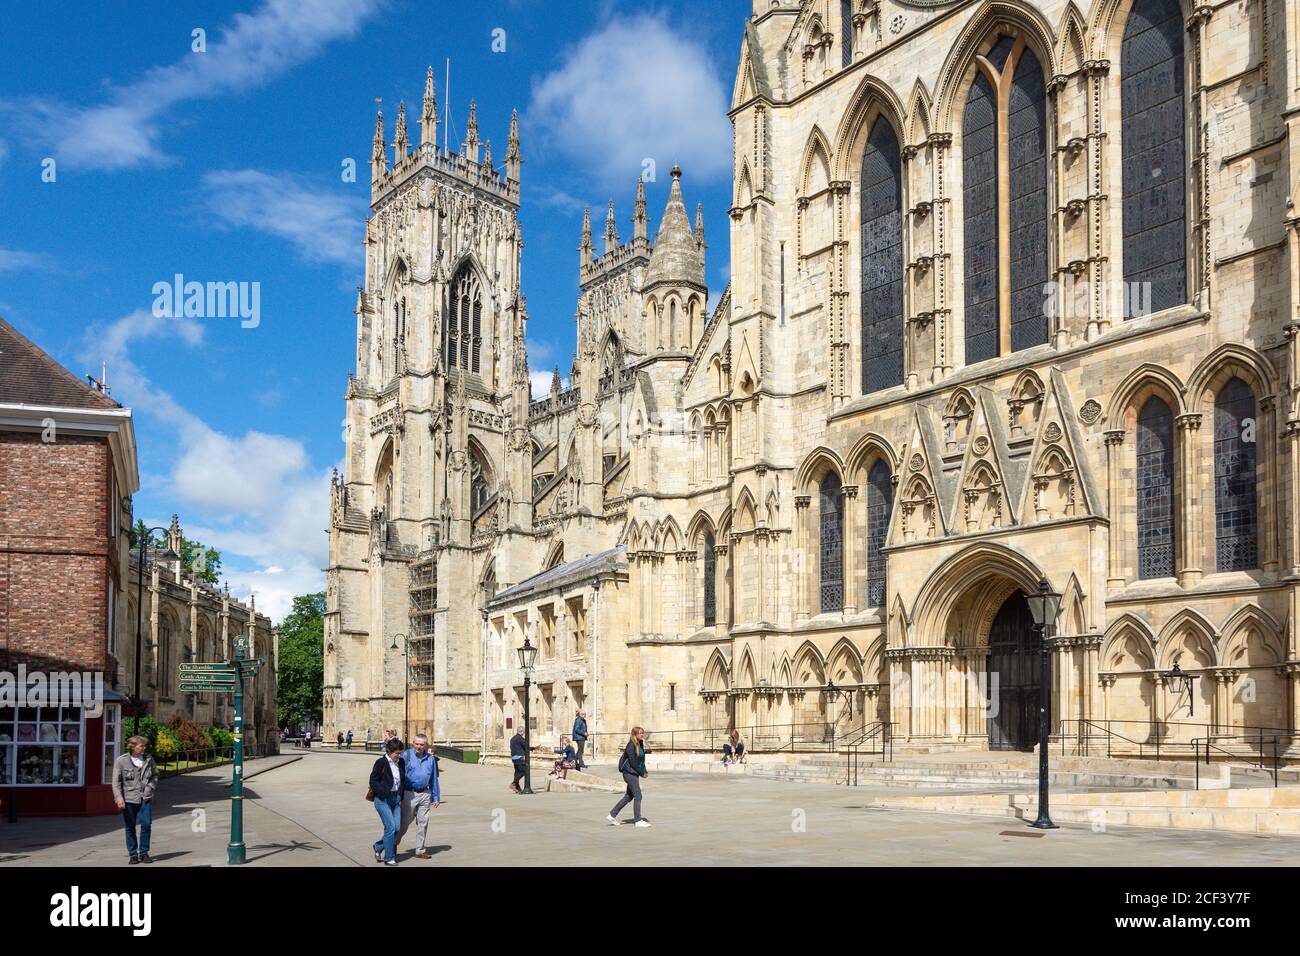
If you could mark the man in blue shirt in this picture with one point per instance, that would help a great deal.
(421, 793)
(580, 737)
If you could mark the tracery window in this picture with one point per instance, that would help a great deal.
(1235, 505)
(880, 504)
(1153, 129)
(462, 331)
(998, 321)
(832, 544)
(1155, 489)
(478, 485)
(882, 260)
(846, 32)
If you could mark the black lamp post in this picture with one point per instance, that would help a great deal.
(527, 657)
(406, 691)
(144, 542)
(1044, 605)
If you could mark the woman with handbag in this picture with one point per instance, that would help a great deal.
(632, 766)
(387, 781)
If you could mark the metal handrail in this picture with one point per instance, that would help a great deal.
(1158, 734)
(1209, 742)
(787, 735)
(881, 729)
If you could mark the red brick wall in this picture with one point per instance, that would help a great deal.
(53, 551)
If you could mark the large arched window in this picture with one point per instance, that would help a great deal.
(1235, 507)
(1155, 489)
(462, 327)
(1152, 126)
(710, 592)
(880, 503)
(882, 260)
(1005, 270)
(832, 544)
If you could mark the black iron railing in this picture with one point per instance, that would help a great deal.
(877, 738)
(1154, 739)
(1210, 746)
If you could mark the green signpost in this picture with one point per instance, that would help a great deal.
(228, 678)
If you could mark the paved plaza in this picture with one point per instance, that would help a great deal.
(310, 811)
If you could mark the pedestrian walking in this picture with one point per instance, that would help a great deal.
(632, 766)
(306, 739)
(420, 793)
(348, 740)
(387, 781)
(580, 737)
(135, 780)
(340, 742)
(519, 758)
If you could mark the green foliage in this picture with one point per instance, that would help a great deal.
(301, 664)
(166, 746)
(148, 729)
(187, 733)
(201, 561)
(220, 738)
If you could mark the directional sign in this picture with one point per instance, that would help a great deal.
(196, 666)
(228, 683)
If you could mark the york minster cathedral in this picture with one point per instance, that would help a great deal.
(1013, 298)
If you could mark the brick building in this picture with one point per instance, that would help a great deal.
(67, 472)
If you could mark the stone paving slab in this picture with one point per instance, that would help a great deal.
(312, 813)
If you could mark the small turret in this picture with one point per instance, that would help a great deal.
(470, 150)
(638, 214)
(584, 243)
(699, 227)
(487, 160)
(676, 257)
(512, 148)
(429, 113)
(378, 159)
(401, 144)
(611, 231)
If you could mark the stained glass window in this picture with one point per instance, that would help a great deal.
(979, 130)
(1152, 125)
(832, 544)
(846, 32)
(1027, 148)
(880, 502)
(882, 260)
(710, 594)
(1155, 490)
(1235, 506)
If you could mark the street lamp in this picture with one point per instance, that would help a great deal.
(1178, 676)
(143, 542)
(1044, 605)
(527, 657)
(406, 692)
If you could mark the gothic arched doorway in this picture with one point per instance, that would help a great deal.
(1013, 677)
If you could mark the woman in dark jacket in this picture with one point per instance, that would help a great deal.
(387, 781)
(632, 766)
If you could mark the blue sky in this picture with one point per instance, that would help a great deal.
(226, 165)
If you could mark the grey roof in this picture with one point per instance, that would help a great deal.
(590, 566)
(676, 257)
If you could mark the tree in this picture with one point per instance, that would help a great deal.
(301, 665)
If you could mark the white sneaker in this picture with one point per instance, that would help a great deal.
(610, 820)
(643, 823)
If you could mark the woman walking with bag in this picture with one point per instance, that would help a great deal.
(632, 766)
(387, 781)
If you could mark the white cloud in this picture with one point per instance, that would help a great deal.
(635, 90)
(252, 49)
(540, 384)
(14, 259)
(323, 225)
(255, 497)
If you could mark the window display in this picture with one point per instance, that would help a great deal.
(41, 746)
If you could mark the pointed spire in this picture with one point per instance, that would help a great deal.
(429, 113)
(555, 381)
(378, 161)
(699, 225)
(676, 256)
(638, 214)
(584, 244)
(401, 145)
(611, 231)
(512, 148)
(487, 158)
(471, 133)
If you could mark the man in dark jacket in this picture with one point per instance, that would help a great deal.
(580, 737)
(519, 758)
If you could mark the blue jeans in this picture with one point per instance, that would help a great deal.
(390, 814)
(142, 814)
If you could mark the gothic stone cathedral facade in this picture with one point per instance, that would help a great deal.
(1013, 296)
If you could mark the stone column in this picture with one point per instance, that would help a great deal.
(1266, 435)
(851, 548)
(1189, 521)
(803, 570)
(1115, 508)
